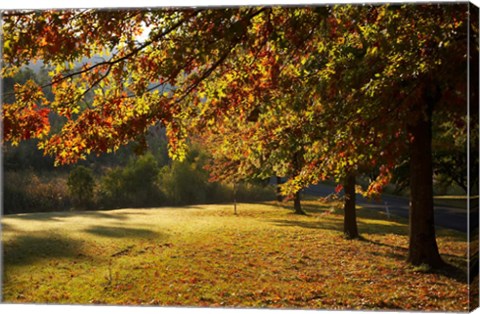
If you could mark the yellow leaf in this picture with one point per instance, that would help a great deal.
(372, 51)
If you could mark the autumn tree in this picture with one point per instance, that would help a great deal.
(248, 149)
(281, 119)
(369, 76)
(404, 69)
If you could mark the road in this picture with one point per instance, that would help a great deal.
(445, 216)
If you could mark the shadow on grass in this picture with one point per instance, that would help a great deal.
(313, 207)
(455, 267)
(122, 232)
(57, 216)
(310, 208)
(394, 224)
(7, 228)
(337, 225)
(28, 249)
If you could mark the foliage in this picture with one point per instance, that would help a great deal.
(301, 77)
(264, 257)
(81, 186)
(138, 183)
(183, 183)
(250, 192)
(132, 185)
(25, 192)
(450, 166)
(450, 154)
(187, 182)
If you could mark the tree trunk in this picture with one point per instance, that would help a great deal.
(423, 247)
(297, 163)
(297, 206)
(278, 190)
(350, 216)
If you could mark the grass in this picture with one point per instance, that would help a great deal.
(206, 256)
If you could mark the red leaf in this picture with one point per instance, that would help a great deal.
(338, 188)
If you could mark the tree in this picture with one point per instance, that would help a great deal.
(418, 71)
(246, 149)
(449, 142)
(132, 185)
(374, 74)
(80, 185)
(450, 161)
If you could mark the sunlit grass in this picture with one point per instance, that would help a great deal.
(206, 256)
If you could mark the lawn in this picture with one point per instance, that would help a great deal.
(206, 256)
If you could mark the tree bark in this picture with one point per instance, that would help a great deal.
(297, 206)
(423, 247)
(350, 216)
(278, 190)
(297, 163)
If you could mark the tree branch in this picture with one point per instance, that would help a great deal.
(220, 61)
(113, 61)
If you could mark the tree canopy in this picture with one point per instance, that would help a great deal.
(341, 65)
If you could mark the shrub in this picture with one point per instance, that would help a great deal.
(26, 192)
(80, 186)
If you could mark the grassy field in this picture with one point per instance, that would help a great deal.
(206, 256)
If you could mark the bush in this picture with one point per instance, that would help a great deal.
(131, 186)
(80, 185)
(27, 192)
